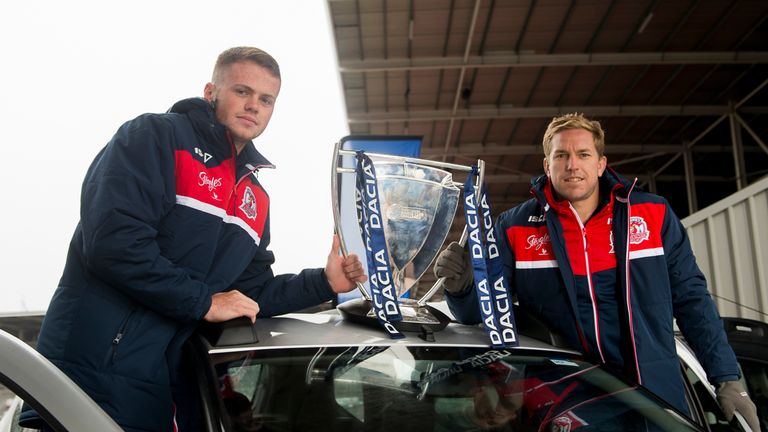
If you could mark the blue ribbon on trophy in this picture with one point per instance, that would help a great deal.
(492, 291)
(382, 288)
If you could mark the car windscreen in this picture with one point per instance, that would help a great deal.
(406, 388)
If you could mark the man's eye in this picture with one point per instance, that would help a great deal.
(267, 101)
(241, 92)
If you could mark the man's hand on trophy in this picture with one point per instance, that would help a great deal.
(454, 264)
(343, 272)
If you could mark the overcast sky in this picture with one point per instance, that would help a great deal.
(74, 71)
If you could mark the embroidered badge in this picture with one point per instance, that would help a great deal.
(249, 204)
(638, 230)
(206, 156)
(538, 243)
(561, 424)
(210, 182)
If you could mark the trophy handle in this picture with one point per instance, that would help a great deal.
(462, 241)
(336, 204)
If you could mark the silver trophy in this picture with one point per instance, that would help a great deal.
(418, 200)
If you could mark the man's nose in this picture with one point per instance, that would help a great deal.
(252, 104)
(571, 163)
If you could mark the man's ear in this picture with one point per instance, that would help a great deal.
(546, 167)
(601, 165)
(208, 91)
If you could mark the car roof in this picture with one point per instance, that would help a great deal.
(328, 328)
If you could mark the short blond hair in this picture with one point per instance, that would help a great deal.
(574, 121)
(241, 54)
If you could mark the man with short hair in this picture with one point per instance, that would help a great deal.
(174, 229)
(608, 267)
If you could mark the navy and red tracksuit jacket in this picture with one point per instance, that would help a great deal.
(170, 215)
(612, 286)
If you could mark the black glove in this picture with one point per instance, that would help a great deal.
(454, 264)
(732, 397)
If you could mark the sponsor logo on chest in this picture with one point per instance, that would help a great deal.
(538, 243)
(211, 183)
(206, 156)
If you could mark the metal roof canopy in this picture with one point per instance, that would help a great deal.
(483, 78)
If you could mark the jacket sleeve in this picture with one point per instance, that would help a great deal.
(282, 293)
(127, 191)
(693, 308)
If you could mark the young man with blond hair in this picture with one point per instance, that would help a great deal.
(607, 266)
(174, 230)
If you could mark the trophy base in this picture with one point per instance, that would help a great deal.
(415, 318)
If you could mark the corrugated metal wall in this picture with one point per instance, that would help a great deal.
(730, 241)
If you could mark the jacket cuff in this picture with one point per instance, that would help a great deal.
(203, 306)
(723, 378)
(325, 286)
(469, 289)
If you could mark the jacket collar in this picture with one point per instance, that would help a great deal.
(609, 181)
(252, 156)
(204, 122)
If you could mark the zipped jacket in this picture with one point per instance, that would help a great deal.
(170, 215)
(653, 279)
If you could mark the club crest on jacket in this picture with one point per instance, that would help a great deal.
(249, 204)
(638, 230)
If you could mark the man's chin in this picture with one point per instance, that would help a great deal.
(244, 136)
(572, 195)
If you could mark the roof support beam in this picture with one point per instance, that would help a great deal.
(734, 109)
(738, 153)
(751, 132)
(460, 83)
(521, 178)
(651, 150)
(541, 60)
(490, 112)
(690, 180)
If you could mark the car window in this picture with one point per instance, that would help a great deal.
(755, 375)
(10, 410)
(711, 412)
(429, 389)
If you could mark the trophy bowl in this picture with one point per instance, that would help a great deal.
(418, 200)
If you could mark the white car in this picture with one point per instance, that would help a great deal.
(41, 384)
(317, 372)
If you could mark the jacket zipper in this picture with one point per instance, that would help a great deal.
(120, 334)
(252, 169)
(589, 284)
(627, 283)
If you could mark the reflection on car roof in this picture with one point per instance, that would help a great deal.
(328, 329)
